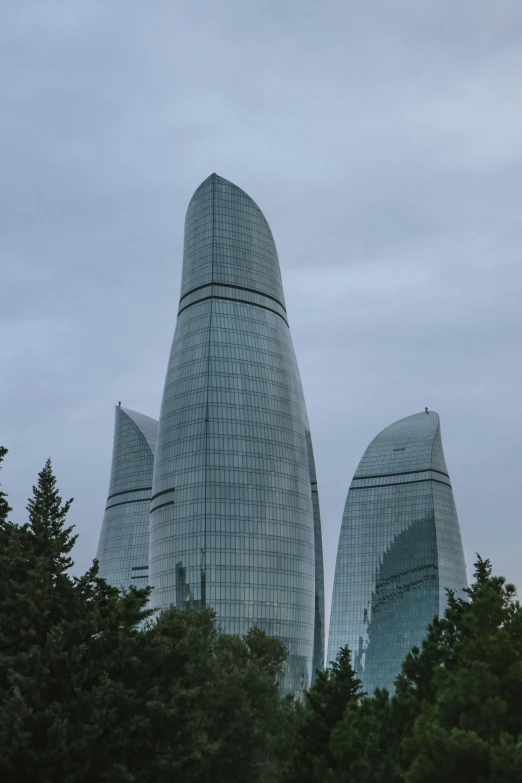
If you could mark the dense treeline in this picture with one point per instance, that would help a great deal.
(92, 690)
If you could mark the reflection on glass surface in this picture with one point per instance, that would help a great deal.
(123, 548)
(399, 550)
(235, 513)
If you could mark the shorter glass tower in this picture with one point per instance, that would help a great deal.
(123, 548)
(399, 551)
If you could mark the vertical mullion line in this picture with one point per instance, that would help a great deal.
(203, 565)
(435, 518)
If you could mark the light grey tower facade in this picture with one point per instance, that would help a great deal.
(400, 549)
(234, 521)
(123, 548)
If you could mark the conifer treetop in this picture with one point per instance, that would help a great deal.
(47, 518)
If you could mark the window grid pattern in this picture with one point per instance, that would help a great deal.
(232, 515)
(123, 547)
(399, 550)
(318, 659)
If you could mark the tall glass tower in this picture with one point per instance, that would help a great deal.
(123, 547)
(399, 550)
(234, 520)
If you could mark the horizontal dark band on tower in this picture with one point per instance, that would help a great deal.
(232, 299)
(238, 287)
(162, 505)
(401, 473)
(128, 491)
(126, 502)
(401, 484)
(163, 492)
(140, 568)
(139, 577)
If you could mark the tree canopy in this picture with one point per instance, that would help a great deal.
(95, 690)
(91, 691)
(456, 713)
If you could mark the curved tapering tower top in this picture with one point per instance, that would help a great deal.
(232, 517)
(228, 241)
(400, 549)
(123, 548)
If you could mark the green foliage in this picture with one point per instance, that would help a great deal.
(455, 716)
(90, 691)
(363, 746)
(213, 713)
(5, 508)
(93, 691)
(335, 690)
(63, 644)
(51, 540)
(470, 729)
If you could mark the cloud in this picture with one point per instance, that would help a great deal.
(382, 140)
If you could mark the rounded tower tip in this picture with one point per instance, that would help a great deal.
(228, 242)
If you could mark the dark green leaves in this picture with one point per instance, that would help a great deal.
(90, 693)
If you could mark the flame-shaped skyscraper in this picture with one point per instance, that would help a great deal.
(234, 519)
(123, 548)
(400, 549)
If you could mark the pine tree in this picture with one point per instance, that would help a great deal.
(5, 508)
(214, 710)
(64, 643)
(469, 727)
(333, 691)
(455, 715)
(91, 694)
(52, 540)
(363, 747)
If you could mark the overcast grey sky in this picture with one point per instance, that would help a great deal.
(382, 140)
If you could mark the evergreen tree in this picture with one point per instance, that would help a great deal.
(212, 712)
(5, 508)
(63, 644)
(469, 728)
(334, 690)
(90, 695)
(363, 747)
(52, 540)
(455, 716)
(90, 692)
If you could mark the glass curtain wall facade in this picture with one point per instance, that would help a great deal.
(399, 550)
(319, 631)
(234, 519)
(123, 548)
